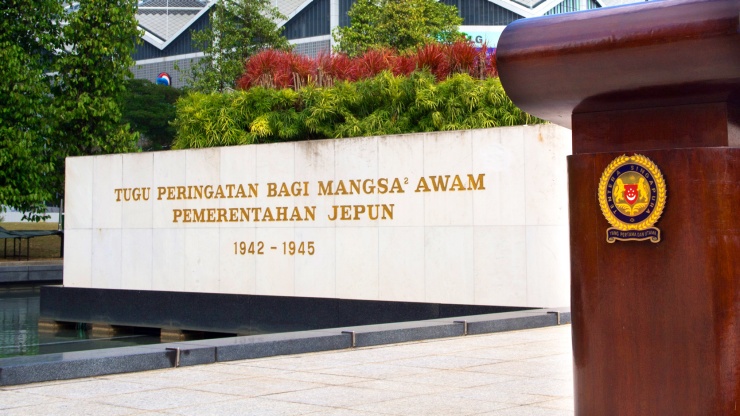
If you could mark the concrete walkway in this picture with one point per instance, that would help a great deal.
(508, 374)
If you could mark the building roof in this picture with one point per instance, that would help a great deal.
(173, 3)
(164, 20)
(529, 3)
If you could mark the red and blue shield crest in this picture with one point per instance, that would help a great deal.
(630, 194)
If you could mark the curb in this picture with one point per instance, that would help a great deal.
(70, 365)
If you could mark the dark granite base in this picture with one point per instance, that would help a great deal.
(30, 369)
(62, 366)
(513, 321)
(258, 346)
(30, 272)
(366, 336)
(238, 314)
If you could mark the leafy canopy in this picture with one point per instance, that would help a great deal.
(402, 25)
(382, 105)
(91, 75)
(149, 108)
(89, 88)
(27, 32)
(61, 84)
(238, 29)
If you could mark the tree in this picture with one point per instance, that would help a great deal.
(401, 25)
(89, 87)
(238, 30)
(149, 108)
(28, 33)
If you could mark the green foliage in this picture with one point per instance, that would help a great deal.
(32, 26)
(383, 105)
(23, 157)
(149, 109)
(238, 30)
(27, 32)
(91, 77)
(90, 81)
(234, 118)
(43, 117)
(401, 25)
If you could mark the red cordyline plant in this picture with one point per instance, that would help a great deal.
(269, 68)
(490, 66)
(302, 70)
(443, 60)
(330, 68)
(404, 65)
(278, 69)
(373, 62)
(435, 58)
(341, 67)
(461, 58)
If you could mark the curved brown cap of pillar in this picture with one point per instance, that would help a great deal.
(645, 55)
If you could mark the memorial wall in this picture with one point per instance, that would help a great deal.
(467, 217)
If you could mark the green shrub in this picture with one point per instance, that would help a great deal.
(383, 105)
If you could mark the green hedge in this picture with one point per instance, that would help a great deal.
(383, 105)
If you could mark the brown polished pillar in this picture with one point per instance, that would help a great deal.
(656, 326)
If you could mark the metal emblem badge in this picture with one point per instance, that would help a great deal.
(632, 194)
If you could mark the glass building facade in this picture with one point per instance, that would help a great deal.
(168, 25)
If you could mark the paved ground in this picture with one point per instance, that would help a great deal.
(508, 374)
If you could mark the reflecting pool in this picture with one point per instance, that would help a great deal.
(20, 334)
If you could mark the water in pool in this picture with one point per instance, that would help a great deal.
(20, 333)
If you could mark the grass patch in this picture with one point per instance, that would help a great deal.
(41, 248)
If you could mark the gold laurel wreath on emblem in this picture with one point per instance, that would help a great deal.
(659, 184)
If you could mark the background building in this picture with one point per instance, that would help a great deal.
(167, 43)
(168, 25)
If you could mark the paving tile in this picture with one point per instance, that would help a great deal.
(13, 399)
(507, 353)
(251, 407)
(346, 412)
(318, 377)
(164, 399)
(69, 407)
(376, 371)
(407, 387)
(522, 368)
(564, 359)
(253, 387)
(378, 354)
(443, 362)
(151, 414)
(243, 368)
(432, 405)
(523, 373)
(433, 347)
(540, 386)
(460, 379)
(528, 411)
(303, 362)
(339, 396)
(43, 383)
(88, 389)
(561, 404)
(178, 377)
(519, 337)
(492, 393)
(546, 347)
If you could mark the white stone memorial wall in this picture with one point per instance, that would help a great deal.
(469, 217)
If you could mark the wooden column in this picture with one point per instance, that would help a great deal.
(656, 326)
